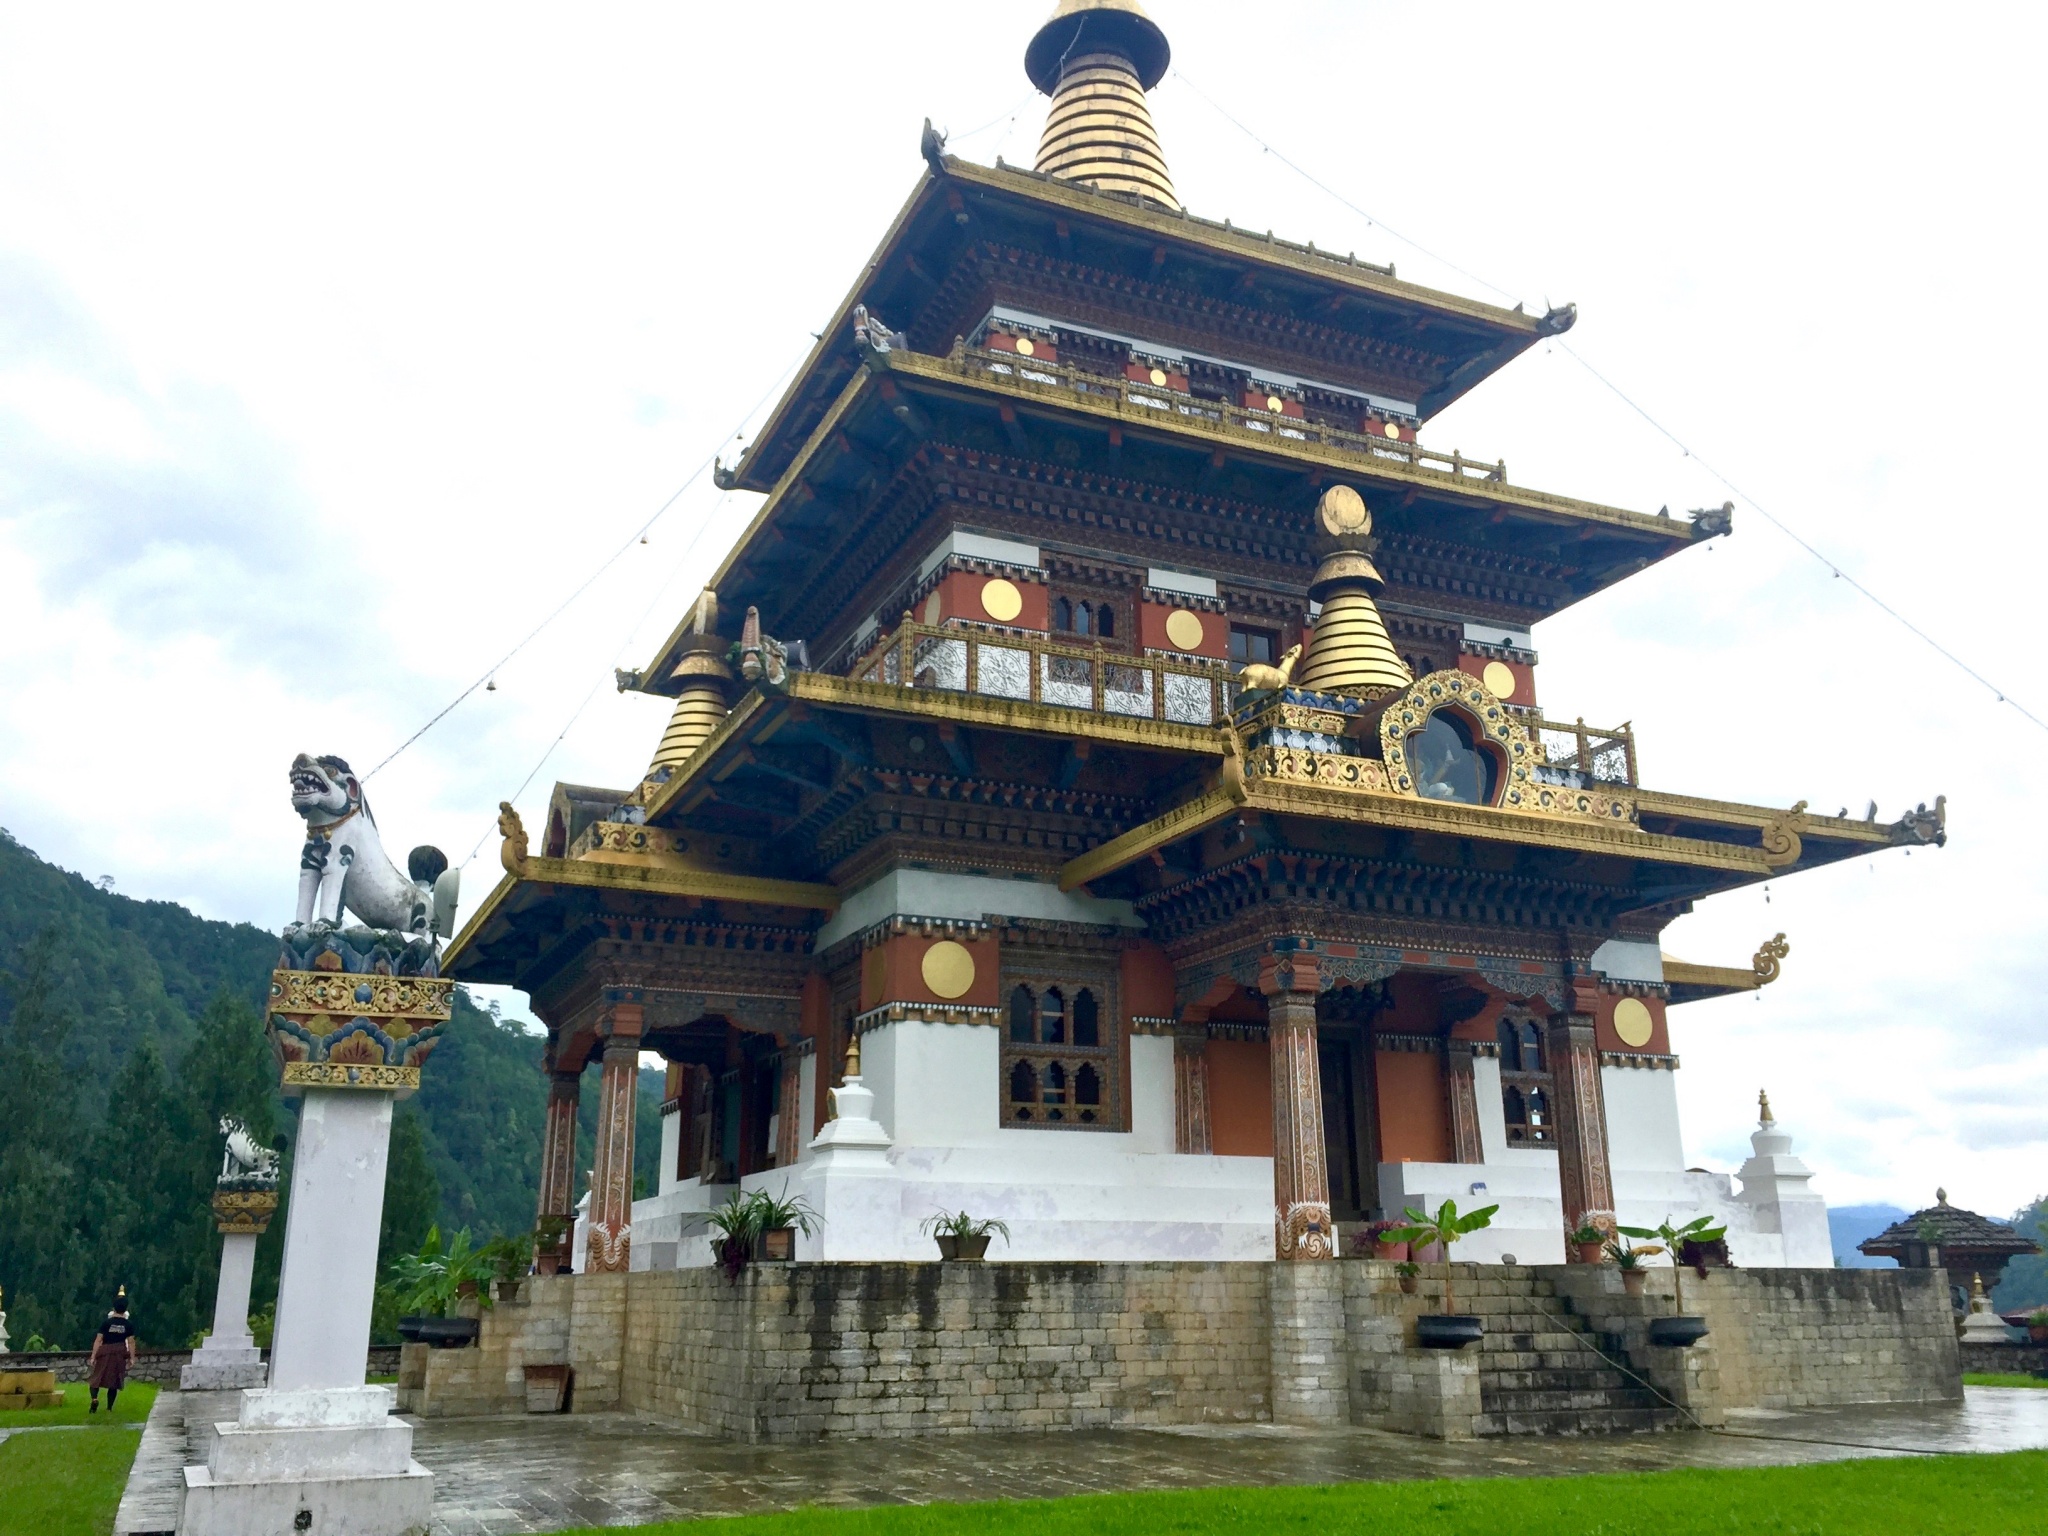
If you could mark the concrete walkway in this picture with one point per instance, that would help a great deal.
(498, 1476)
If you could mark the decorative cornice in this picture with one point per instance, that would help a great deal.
(925, 1013)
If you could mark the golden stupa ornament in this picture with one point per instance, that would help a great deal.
(1349, 650)
(702, 676)
(1096, 59)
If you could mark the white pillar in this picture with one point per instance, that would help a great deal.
(228, 1357)
(318, 1449)
(322, 1338)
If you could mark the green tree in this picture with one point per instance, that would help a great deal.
(228, 1070)
(42, 1253)
(411, 1197)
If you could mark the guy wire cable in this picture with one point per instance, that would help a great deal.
(1776, 522)
(631, 539)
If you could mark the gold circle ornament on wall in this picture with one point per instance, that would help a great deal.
(1393, 429)
(1001, 600)
(948, 969)
(1274, 403)
(1633, 1023)
(1342, 510)
(1158, 377)
(1024, 346)
(1499, 678)
(1184, 629)
(934, 606)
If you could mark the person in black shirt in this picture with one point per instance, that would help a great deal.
(113, 1349)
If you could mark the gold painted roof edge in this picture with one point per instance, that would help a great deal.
(750, 705)
(1737, 813)
(1006, 714)
(459, 945)
(1720, 978)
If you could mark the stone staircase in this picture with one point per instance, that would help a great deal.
(1538, 1377)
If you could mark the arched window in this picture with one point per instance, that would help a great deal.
(1539, 1110)
(1023, 1087)
(1062, 614)
(1087, 1087)
(1052, 1018)
(1086, 1028)
(1022, 1006)
(1511, 1102)
(1084, 619)
(1532, 1049)
(1510, 1043)
(1105, 622)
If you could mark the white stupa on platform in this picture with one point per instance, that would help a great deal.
(1779, 1187)
(1982, 1325)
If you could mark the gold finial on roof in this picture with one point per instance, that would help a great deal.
(852, 1058)
(1349, 650)
(701, 705)
(1097, 59)
(1763, 1105)
(1941, 1197)
(1976, 1287)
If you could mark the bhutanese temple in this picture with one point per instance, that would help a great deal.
(1116, 749)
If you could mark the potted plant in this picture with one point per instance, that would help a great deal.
(1683, 1330)
(1407, 1269)
(509, 1257)
(1446, 1330)
(1380, 1246)
(430, 1283)
(1589, 1242)
(777, 1220)
(551, 1240)
(737, 1221)
(2037, 1326)
(1628, 1258)
(961, 1236)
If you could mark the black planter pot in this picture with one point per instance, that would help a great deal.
(1677, 1332)
(440, 1332)
(1437, 1330)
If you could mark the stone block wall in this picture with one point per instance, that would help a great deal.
(162, 1367)
(2005, 1359)
(804, 1351)
(1809, 1338)
(857, 1350)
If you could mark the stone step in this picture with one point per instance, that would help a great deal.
(1602, 1421)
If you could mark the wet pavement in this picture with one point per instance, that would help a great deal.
(518, 1474)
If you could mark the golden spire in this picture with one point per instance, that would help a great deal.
(1096, 59)
(852, 1059)
(1763, 1105)
(1349, 650)
(701, 706)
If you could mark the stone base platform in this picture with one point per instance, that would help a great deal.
(805, 1351)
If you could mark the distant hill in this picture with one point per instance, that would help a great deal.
(133, 968)
(1849, 1225)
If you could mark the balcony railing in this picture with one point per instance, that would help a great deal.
(1597, 756)
(1170, 402)
(1024, 667)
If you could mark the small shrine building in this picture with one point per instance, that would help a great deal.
(1161, 792)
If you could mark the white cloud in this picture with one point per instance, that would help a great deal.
(333, 353)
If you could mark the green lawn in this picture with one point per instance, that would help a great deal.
(1926, 1495)
(133, 1408)
(1987, 1379)
(64, 1484)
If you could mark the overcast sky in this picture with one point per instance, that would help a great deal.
(337, 347)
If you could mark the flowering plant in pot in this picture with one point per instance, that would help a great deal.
(551, 1241)
(1446, 1330)
(1590, 1242)
(736, 1220)
(961, 1236)
(1628, 1258)
(1379, 1245)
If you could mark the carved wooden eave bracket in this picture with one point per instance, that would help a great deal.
(1690, 983)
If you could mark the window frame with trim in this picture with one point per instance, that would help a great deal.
(1051, 1006)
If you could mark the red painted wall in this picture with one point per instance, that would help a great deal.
(1240, 1098)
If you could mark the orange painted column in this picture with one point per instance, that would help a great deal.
(1191, 1090)
(1463, 1094)
(1584, 1174)
(558, 1147)
(1301, 1174)
(611, 1180)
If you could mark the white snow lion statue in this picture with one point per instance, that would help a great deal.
(344, 863)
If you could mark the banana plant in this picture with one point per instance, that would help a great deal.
(1444, 1228)
(1700, 1229)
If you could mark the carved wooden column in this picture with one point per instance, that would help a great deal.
(789, 1137)
(1584, 1176)
(1190, 1089)
(611, 1180)
(1463, 1095)
(558, 1147)
(1301, 1175)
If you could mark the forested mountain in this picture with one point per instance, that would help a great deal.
(127, 1028)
